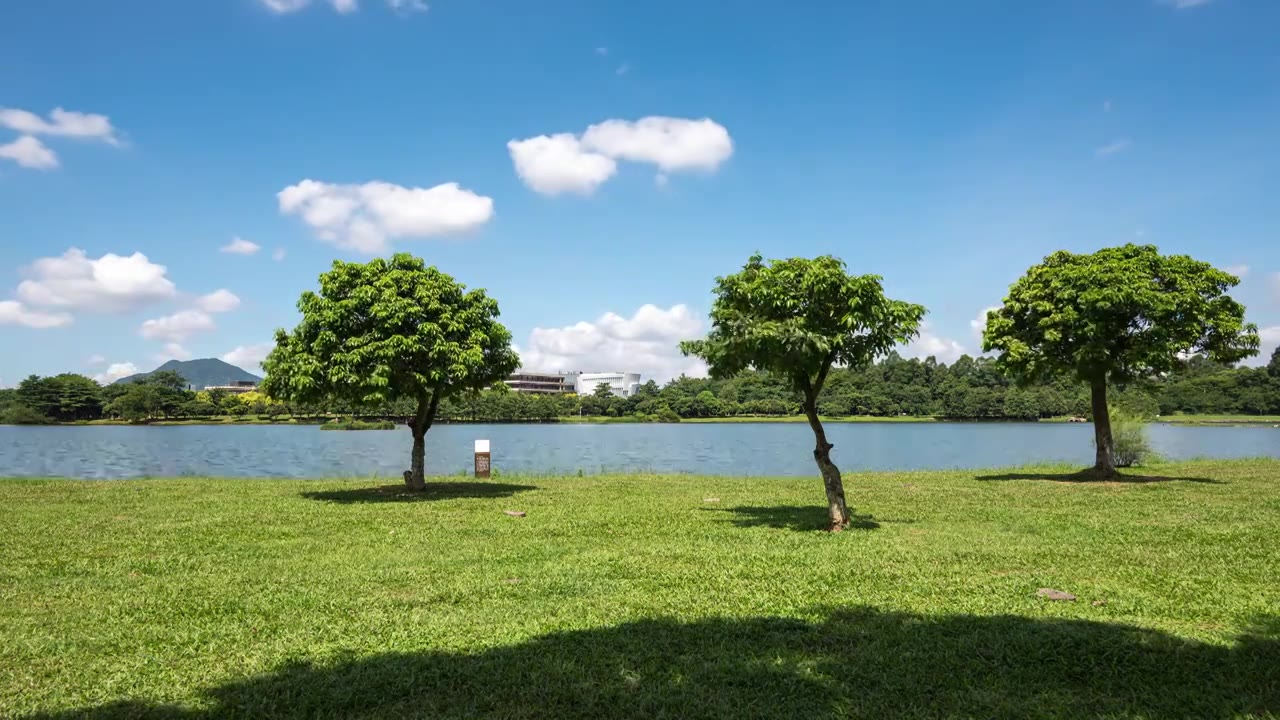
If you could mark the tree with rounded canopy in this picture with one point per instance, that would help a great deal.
(1273, 367)
(797, 318)
(388, 330)
(1116, 316)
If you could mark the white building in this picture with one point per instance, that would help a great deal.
(623, 384)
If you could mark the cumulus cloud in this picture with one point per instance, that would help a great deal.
(13, 312)
(115, 371)
(95, 360)
(554, 164)
(172, 351)
(218, 301)
(1239, 271)
(240, 246)
(343, 7)
(1112, 148)
(278, 255)
(249, 356)
(365, 217)
(646, 342)
(929, 343)
(178, 326)
(29, 152)
(111, 283)
(62, 123)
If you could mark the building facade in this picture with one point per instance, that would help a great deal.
(540, 383)
(623, 384)
(238, 387)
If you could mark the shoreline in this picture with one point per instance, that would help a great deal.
(1203, 420)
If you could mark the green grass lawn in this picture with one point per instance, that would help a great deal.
(645, 596)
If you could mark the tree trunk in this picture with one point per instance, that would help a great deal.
(1105, 464)
(837, 510)
(415, 477)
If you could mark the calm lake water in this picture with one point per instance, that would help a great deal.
(713, 449)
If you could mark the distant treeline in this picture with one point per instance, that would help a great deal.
(970, 388)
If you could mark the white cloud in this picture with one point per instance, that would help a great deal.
(95, 360)
(240, 246)
(670, 143)
(1239, 271)
(63, 123)
(111, 283)
(115, 371)
(278, 255)
(178, 326)
(365, 217)
(646, 343)
(13, 312)
(929, 344)
(219, 301)
(1270, 335)
(343, 7)
(1113, 147)
(553, 164)
(1185, 4)
(29, 152)
(172, 351)
(249, 356)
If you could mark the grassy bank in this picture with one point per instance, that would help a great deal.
(645, 596)
(1221, 419)
(350, 424)
(596, 420)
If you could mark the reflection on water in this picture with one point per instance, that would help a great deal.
(716, 449)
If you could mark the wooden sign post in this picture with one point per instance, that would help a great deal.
(482, 458)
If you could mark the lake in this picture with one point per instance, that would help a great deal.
(713, 449)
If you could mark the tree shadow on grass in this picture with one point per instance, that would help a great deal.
(859, 663)
(801, 518)
(434, 491)
(1088, 476)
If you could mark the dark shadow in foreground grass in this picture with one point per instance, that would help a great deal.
(801, 518)
(434, 491)
(1088, 476)
(852, 663)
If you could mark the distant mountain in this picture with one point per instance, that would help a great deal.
(201, 373)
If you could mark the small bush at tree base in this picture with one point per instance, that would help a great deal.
(1130, 443)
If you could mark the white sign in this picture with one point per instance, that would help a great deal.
(482, 446)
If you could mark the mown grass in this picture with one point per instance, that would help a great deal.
(645, 596)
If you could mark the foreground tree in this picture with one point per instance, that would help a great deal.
(388, 330)
(1116, 316)
(797, 318)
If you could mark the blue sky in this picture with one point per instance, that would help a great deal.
(595, 165)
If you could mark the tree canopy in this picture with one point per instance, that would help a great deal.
(386, 330)
(797, 318)
(1116, 315)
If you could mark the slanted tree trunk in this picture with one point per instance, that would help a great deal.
(837, 510)
(415, 477)
(1105, 464)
